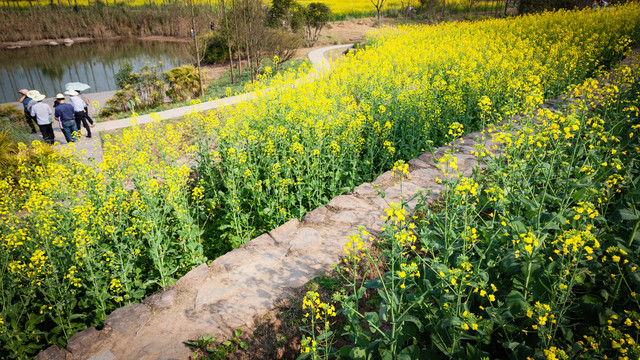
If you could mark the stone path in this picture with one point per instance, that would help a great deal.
(247, 282)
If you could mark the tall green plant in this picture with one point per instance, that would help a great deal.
(182, 83)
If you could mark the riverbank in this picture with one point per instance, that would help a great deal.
(101, 21)
(10, 45)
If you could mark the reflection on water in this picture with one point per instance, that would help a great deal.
(48, 68)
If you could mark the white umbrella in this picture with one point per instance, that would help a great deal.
(77, 86)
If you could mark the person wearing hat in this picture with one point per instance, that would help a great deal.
(31, 94)
(24, 100)
(78, 111)
(66, 119)
(42, 113)
(86, 107)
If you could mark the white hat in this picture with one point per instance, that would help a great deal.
(32, 93)
(39, 97)
(71, 92)
(59, 96)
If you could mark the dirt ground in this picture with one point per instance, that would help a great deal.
(339, 32)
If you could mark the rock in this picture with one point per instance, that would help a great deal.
(67, 41)
(161, 300)
(316, 217)
(417, 163)
(106, 355)
(126, 320)
(52, 43)
(252, 267)
(365, 189)
(284, 233)
(348, 202)
(425, 177)
(356, 218)
(261, 241)
(407, 190)
(232, 259)
(53, 353)
(82, 340)
(427, 158)
(306, 240)
(384, 179)
(194, 276)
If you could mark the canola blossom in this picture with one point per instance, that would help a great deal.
(293, 150)
(80, 239)
(548, 269)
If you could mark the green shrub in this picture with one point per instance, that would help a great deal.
(183, 83)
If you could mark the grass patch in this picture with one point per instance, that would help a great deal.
(13, 123)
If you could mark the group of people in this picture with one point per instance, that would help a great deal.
(69, 115)
(599, 4)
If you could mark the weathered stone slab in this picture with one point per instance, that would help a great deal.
(193, 277)
(306, 240)
(348, 202)
(384, 179)
(427, 158)
(365, 189)
(253, 264)
(125, 321)
(263, 240)
(425, 177)
(231, 260)
(284, 233)
(106, 355)
(82, 339)
(53, 353)
(315, 217)
(419, 164)
(161, 300)
(356, 218)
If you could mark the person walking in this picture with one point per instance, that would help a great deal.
(42, 113)
(66, 119)
(78, 111)
(25, 100)
(86, 107)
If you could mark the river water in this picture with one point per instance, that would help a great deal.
(48, 68)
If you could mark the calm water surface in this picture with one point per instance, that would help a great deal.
(48, 68)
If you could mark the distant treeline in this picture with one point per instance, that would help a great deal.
(100, 21)
(532, 6)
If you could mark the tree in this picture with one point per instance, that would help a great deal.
(317, 15)
(287, 14)
(378, 5)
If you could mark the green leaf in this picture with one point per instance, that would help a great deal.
(516, 302)
(411, 319)
(372, 318)
(384, 312)
(324, 335)
(358, 354)
(626, 214)
(238, 332)
(373, 284)
(345, 352)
